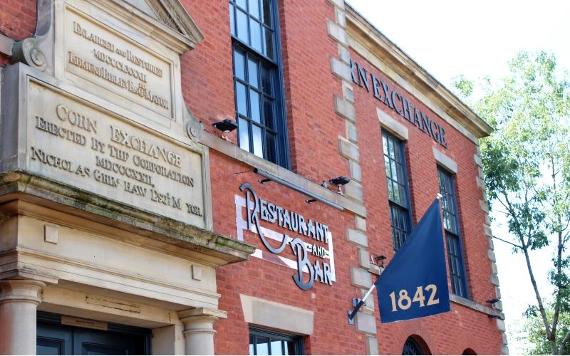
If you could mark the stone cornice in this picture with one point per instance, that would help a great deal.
(363, 32)
(43, 192)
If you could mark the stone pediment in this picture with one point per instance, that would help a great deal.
(169, 15)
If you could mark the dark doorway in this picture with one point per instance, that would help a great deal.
(53, 338)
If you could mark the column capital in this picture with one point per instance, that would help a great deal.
(21, 290)
(195, 314)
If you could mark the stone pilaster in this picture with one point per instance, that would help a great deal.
(19, 299)
(199, 330)
(494, 277)
(348, 148)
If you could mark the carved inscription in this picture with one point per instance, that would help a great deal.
(94, 151)
(97, 54)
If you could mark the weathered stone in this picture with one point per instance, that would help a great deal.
(348, 149)
(360, 223)
(372, 345)
(360, 277)
(344, 108)
(363, 258)
(336, 32)
(392, 125)
(340, 69)
(355, 171)
(343, 53)
(445, 161)
(358, 237)
(495, 279)
(366, 323)
(348, 92)
(340, 17)
(351, 132)
(354, 190)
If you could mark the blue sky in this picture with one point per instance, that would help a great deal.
(477, 39)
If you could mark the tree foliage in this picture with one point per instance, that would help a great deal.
(526, 162)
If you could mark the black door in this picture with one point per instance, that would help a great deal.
(56, 339)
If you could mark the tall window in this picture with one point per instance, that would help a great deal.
(452, 233)
(263, 342)
(398, 196)
(257, 79)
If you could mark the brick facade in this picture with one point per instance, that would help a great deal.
(333, 130)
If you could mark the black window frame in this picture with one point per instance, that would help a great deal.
(453, 235)
(400, 214)
(280, 156)
(256, 332)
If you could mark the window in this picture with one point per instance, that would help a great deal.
(257, 79)
(452, 233)
(269, 343)
(398, 196)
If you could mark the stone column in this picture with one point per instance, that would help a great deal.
(19, 299)
(199, 330)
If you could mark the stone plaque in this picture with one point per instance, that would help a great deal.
(115, 66)
(85, 147)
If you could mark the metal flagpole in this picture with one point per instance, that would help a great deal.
(360, 303)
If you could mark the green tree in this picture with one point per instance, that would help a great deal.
(536, 335)
(526, 162)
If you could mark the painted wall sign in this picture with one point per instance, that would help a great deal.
(397, 102)
(310, 241)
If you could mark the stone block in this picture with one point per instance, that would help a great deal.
(360, 277)
(394, 126)
(444, 160)
(348, 92)
(355, 171)
(358, 237)
(337, 32)
(491, 255)
(340, 17)
(343, 54)
(344, 108)
(348, 149)
(495, 279)
(351, 132)
(366, 323)
(340, 69)
(360, 223)
(354, 191)
(372, 346)
(364, 258)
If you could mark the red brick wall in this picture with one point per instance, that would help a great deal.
(17, 20)
(461, 322)
(313, 135)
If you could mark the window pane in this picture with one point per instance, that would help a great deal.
(239, 65)
(276, 347)
(254, 103)
(262, 345)
(268, 114)
(232, 20)
(241, 98)
(268, 46)
(271, 148)
(252, 72)
(251, 345)
(257, 141)
(243, 134)
(242, 32)
(266, 12)
(241, 3)
(255, 28)
(266, 81)
(254, 8)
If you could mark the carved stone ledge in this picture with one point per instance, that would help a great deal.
(19, 188)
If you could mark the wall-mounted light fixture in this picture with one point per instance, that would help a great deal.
(225, 126)
(338, 181)
(380, 260)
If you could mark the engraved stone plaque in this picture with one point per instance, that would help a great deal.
(83, 146)
(110, 64)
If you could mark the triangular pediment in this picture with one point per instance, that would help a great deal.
(169, 13)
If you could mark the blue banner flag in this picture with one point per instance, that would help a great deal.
(414, 284)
